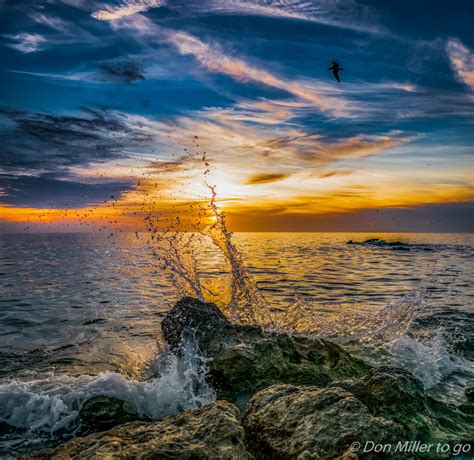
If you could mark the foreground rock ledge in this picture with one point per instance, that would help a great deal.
(248, 358)
(289, 422)
(386, 406)
(211, 432)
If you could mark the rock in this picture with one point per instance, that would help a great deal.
(388, 405)
(397, 395)
(388, 391)
(6, 428)
(469, 393)
(290, 422)
(103, 412)
(211, 432)
(468, 408)
(246, 358)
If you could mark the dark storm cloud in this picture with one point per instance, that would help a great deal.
(44, 191)
(120, 71)
(38, 142)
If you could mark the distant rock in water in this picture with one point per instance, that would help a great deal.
(394, 245)
(211, 432)
(247, 358)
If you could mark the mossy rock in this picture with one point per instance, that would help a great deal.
(244, 359)
(209, 433)
(103, 412)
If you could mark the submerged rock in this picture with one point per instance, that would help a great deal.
(290, 422)
(211, 432)
(103, 412)
(244, 359)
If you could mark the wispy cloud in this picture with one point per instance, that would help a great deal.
(335, 173)
(265, 178)
(212, 57)
(462, 61)
(215, 60)
(359, 146)
(50, 21)
(26, 42)
(110, 71)
(128, 8)
(345, 14)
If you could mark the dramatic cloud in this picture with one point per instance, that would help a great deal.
(462, 61)
(215, 60)
(265, 178)
(48, 192)
(237, 94)
(26, 43)
(41, 142)
(128, 8)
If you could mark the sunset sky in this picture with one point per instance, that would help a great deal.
(112, 110)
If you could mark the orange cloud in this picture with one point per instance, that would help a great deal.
(265, 178)
(128, 8)
(462, 61)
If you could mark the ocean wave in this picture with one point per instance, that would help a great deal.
(46, 406)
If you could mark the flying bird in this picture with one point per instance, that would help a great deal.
(335, 70)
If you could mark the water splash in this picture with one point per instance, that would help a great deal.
(52, 404)
(247, 304)
(176, 251)
(430, 360)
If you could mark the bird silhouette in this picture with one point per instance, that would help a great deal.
(335, 70)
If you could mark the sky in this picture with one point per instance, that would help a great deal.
(112, 111)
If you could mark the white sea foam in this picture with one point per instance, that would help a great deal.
(52, 404)
(430, 359)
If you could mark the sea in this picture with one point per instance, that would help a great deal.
(80, 313)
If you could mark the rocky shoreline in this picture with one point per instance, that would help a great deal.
(278, 397)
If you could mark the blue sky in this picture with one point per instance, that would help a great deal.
(92, 92)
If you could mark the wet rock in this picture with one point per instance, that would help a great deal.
(103, 412)
(211, 432)
(245, 358)
(469, 392)
(6, 428)
(397, 395)
(290, 422)
(468, 408)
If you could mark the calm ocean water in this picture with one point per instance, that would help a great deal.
(73, 306)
